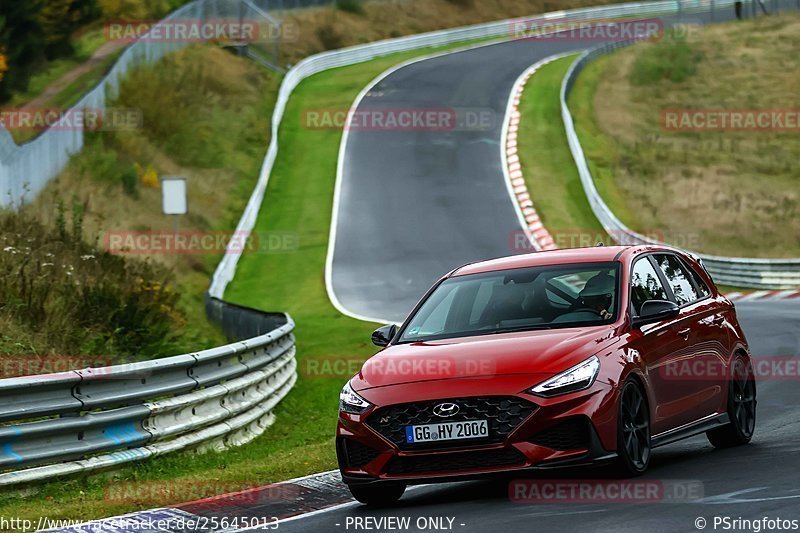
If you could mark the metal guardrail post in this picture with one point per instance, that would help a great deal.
(278, 29)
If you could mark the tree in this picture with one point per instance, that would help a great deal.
(22, 42)
(3, 65)
(59, 19)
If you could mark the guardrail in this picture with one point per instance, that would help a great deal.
(738, 271)
(85, 420)
(357, 54)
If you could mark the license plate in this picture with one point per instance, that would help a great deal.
(470, 429)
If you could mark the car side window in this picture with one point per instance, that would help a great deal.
(702, 286)
(645, 284)
(678, 278)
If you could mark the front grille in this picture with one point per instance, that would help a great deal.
(568, 435)
(454, 462)
(357, 454)
(503, 413)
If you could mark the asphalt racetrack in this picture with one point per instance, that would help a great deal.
(415, 203)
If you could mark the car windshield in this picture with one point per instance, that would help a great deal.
(545, 297)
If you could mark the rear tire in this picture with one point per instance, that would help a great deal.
(377, 495)
(633, 431)
(741, 407)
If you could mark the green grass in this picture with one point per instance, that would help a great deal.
(676, 60)
(548, 167)
(729, 193)
(298, 200)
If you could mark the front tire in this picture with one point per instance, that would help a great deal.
(377, 495)
(741, 407)
(633, 431)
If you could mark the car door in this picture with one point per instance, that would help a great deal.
(658, 343)
(698, 371)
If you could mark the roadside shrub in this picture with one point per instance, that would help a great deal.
(350, 6)
(672, 59)
(191, 104)
(330, 38)
(98, 160)
(80, 300)
(130, 182)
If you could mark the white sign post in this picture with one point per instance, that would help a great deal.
(173, 197)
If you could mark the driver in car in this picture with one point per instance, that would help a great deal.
(595, 300)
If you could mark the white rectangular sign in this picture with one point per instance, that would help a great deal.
(173, 194)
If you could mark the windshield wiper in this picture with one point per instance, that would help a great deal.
(522, 328)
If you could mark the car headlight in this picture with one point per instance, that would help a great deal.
(350, 402)
(579, 377)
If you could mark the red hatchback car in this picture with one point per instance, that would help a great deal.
(546, 360)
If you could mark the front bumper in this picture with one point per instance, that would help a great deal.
(569, 430)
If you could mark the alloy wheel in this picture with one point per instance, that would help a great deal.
(743, 396)
(635, 426)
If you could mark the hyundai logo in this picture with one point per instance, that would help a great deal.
(446, 409)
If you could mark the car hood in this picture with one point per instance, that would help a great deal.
(545, 352)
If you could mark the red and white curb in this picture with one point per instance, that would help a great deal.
(762, 296)
(538, 235)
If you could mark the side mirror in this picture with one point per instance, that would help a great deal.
(655, 311)
(382, 336)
